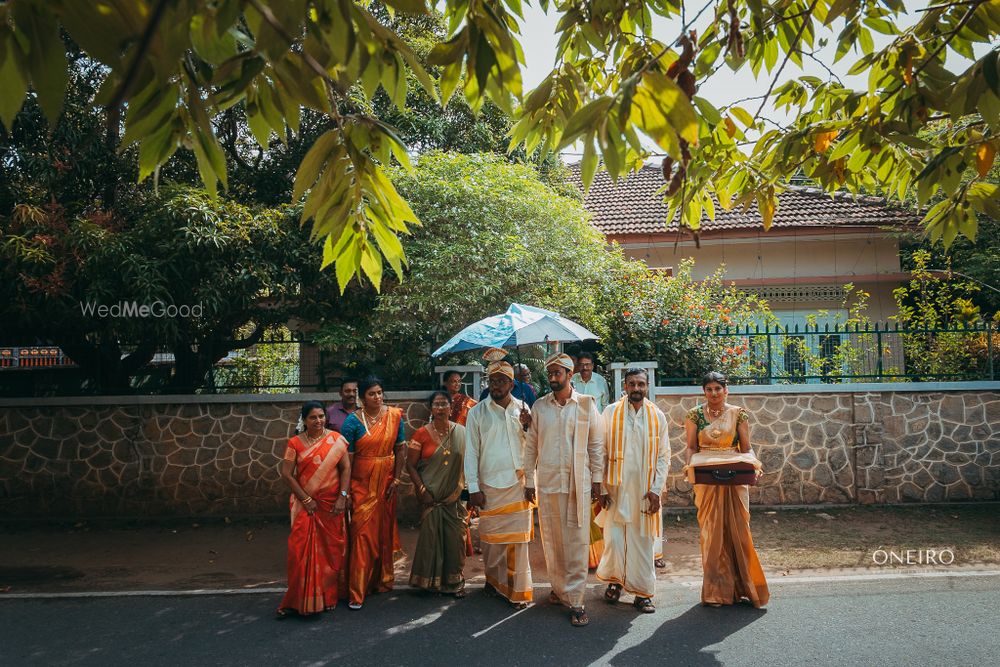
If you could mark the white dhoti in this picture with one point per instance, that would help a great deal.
(628, 552)
(566, 548)
(505, 531)
(638, 452)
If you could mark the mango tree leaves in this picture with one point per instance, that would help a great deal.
(922, 124)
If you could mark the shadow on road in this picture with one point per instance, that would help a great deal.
(683, 640)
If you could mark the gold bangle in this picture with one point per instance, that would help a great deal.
(306, 500)
(396, 482)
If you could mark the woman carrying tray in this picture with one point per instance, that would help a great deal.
(717, 432)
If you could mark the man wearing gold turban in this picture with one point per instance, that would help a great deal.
(565, 447)
(494, 472)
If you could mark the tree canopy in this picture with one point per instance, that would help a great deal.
(493, 232)
(172, 66)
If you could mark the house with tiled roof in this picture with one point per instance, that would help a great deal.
(817, 243)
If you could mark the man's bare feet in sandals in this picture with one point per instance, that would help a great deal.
(578, 618)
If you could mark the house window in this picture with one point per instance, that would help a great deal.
(795, 365)
(828, 346)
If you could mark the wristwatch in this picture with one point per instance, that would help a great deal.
(343, 493)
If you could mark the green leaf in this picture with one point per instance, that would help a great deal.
(588, 165)
(150, 110)
(866, 41)
(584, 119)
(156, 149)
(708, 112)
(211, 46)
(349, 260)
(259, 126)
(371, 264)
(46, 60)
(313, 162)
(418, 7)
(13, 81)
(674, 103)
(742, 115)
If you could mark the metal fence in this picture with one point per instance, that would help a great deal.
(835, 353)
(748, 355)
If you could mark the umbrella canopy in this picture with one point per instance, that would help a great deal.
(520, 325)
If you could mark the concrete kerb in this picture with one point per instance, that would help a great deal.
(685, 582)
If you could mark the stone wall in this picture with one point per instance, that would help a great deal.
(170, 459)
(219, 455)
(861, 447)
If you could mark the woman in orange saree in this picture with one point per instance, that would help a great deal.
(731, 567)
(460, 403)
(318, 473)
(377, 447)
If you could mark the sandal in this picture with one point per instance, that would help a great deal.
(643, 605)
(660, 563)
(354, 605)
(613, 592)
(553, 598)
(459, 594)
(282, 614)
(578, 618)
(518, 606)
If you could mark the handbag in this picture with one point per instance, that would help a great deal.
(723, 468)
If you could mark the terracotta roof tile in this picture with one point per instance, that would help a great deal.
(634, 207)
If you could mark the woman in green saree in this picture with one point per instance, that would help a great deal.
(435, 461)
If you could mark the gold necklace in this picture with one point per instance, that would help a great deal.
(715, 414)
(374, 420)
(310, 441)
(441, 436)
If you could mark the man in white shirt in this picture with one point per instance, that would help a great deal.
(637, 455)
(591, 383)
(565, 445)
(494, 473)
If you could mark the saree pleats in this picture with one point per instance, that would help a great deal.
(731, 567)
(317, 544)
(441, 544)
(374, 535)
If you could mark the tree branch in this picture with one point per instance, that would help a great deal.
(144, 41)
(791, 49)
(934, 54)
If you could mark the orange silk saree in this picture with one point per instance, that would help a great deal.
(317, 544)
(374, 535)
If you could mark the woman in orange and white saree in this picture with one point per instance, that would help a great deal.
(376, 444)
(318, 472)
(731, 567)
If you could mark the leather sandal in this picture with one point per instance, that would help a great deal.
(660, 563)
(643, 605)
(578, 618)
(613, 593)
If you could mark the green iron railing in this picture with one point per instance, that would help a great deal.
(827, 353)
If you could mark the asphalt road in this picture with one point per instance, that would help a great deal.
(911, 621)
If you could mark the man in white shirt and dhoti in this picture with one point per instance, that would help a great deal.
(637, 456)
(564, 460)
(494, 473)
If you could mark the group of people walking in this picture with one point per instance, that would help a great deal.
(583, 465)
